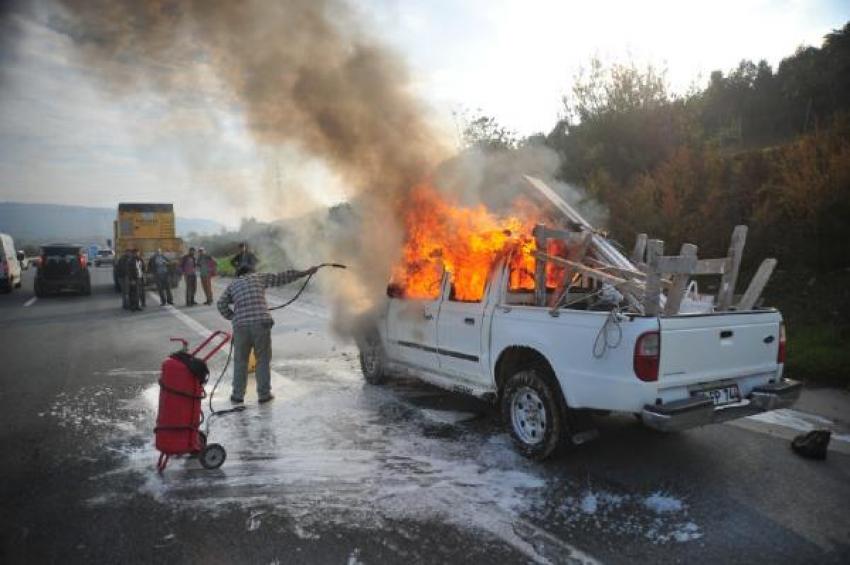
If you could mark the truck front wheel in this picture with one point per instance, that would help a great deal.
(532, 412)
(372, 359)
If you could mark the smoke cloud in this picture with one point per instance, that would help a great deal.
(302, 73)
(307, 79)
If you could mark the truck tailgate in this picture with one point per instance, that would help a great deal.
(703, 348)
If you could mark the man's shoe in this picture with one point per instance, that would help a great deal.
(234, 400)
(265, 399)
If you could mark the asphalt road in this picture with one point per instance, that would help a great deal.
(336, 471)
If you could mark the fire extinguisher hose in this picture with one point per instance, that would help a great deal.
(306, 282)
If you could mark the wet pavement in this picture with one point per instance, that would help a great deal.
(335, 470)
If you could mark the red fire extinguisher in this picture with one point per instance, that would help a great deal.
(181, 390)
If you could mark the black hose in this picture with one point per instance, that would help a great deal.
(213, 412)
(306, 282)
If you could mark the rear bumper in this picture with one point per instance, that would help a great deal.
(699, 411)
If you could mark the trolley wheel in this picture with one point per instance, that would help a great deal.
(203, 439)
(212, 456)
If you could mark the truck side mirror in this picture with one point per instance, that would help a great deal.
(394, 290)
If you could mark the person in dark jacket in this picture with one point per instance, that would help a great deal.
(189, 268)
(159, 267)
(136, 281)
(244, 259)
(121, 270)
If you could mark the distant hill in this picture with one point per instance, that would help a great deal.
(39, 223)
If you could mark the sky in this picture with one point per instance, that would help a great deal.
(64, 140)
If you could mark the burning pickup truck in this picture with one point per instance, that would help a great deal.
(562, 325)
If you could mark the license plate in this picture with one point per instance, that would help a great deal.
(723, 395)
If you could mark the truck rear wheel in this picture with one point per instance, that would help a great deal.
(532, 410)
(372, 358)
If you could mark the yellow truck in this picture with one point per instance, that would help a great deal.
(147, 227)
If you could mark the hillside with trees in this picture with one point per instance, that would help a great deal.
(765, 147)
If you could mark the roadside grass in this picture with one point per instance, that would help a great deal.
(816, 310)
(223, 267)
(818, 354)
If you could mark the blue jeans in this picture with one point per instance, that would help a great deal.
(258, 337)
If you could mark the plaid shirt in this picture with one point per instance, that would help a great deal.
(247, 294)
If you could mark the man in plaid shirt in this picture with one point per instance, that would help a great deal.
(244, 304)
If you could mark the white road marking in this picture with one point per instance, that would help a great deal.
(31, 301)
(197, 327)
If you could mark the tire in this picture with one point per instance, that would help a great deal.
(7, 288)
(534, 412)
(212, 456)
(372, 359)
(86, 289)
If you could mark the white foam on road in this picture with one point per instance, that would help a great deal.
(329, 451)
(658, 517)
(799, 421)
(30, 302)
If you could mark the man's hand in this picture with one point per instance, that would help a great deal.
(311, 271)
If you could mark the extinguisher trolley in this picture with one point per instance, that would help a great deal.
(181, 390)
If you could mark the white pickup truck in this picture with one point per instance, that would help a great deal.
(548, 370)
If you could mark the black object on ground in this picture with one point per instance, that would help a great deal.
(812, 445)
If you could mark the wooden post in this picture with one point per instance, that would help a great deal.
(680, 283)
(730, 277)
(757, 285)
(652, 293)
(639, 249)
(540, 265)
(564, 286)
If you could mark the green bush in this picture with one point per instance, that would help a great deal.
(818, 354)
(223, 267)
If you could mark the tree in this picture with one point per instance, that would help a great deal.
(485, 133)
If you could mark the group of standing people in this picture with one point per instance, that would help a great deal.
(192, 267)
(132, 272)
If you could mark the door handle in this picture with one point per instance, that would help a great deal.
(725, 334)
(469, 321)
(428, 315)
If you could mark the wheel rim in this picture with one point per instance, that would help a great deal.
(213, 456)
(528, 415)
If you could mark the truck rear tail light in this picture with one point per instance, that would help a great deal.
(83, 261)
(780, 354)
(647, 354)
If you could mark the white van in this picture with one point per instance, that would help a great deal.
(10, 267)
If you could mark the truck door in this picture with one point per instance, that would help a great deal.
(412, 331)
(459, 335)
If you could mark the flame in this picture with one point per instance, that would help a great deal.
(466, 241)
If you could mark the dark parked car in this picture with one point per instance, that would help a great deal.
(62, 266)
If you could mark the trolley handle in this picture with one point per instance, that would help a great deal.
(225, 337)
(185, 342)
